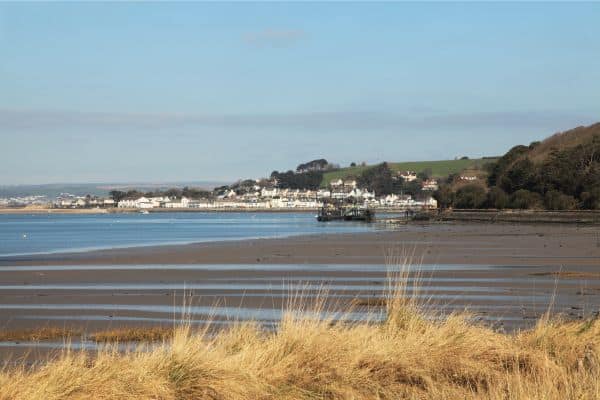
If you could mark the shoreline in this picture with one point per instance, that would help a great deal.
(438, 243)
(457, 216)
(116, 210)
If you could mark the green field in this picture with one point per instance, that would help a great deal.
(439, 168)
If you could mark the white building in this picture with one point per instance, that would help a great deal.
(430, 184)
(394, 200)
(269, 192)
(360, 194)
(184, 202)
(142, 202)
(350, 184)
(323, 194)
(408, 176)
(430, 202)
(336, 183)
(229, 194)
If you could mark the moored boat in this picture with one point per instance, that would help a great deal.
(345, 213)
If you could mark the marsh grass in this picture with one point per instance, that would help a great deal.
(125, 334)
(37, 334)
(570, 274)
(409, 355)
(141, 334)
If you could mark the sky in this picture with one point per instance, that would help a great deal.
(170, 92)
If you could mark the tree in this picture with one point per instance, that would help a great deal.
(117, 195)
(555, 200)
(314, 165)
(524, 199)
(590, 200)
(499, 167)
(521, 175)
(413, 188)
(173, 192)
(444, 196)
(378, 179)
(470, 196)
(290, 180)
(425, 174)
(497, 198)
(352, 164)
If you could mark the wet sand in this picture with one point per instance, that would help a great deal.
(505, 274)
(95, 298)
(483, 244)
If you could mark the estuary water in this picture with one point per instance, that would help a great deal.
(26, 234)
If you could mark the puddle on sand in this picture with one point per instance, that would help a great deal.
(244, 267)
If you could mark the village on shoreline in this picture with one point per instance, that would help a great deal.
(263, 195)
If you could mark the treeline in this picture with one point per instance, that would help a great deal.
(314, 165)
(193, 193)
(564, 178)
(384, 181)
(310, 180)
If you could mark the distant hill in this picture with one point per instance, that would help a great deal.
(437, 169)
(94, 189)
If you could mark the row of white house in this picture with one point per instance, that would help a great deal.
(296, 194)
(82, 202)
(394, 201)
(155, 202)
(406, 201)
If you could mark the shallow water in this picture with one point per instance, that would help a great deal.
(234, 313)
(274, 286)
(23, 234)
(506, 296)
(252, 267)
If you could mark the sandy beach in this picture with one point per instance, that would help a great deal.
(549, 245)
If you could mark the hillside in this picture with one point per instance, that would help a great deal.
(560, 173)
(438, 169)
(564, 140)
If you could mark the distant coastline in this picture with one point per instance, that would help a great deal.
(485, 216)
(116, 210)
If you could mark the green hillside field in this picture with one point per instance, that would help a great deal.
(439, 169)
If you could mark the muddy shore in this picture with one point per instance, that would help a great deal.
(508, 275)
(483, 244)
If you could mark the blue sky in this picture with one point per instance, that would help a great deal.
(210, 91)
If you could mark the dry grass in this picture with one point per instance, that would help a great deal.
(33, 335)
(369, 302)
(409, 356)
(142, 334)
(570, 274)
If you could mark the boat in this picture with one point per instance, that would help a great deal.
(144, 212)
(340, 212)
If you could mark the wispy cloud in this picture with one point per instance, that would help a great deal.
(275, 37)
(23, 120)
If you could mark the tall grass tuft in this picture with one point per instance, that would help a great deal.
(408, 355)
